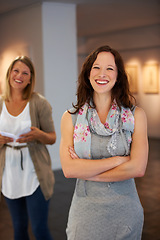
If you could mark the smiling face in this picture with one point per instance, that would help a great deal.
(20, 76)
(103, 74)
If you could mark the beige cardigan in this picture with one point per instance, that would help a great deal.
(41, 117)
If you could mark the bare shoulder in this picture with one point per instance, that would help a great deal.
(66, 122)
(66, 117)
(140, 119)
(67, 130)
(140, 114)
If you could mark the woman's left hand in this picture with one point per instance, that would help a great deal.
(33, 135)
(37, 135)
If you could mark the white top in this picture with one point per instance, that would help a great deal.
(16, 182)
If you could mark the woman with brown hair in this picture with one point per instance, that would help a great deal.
(26, 126)
(104, 145)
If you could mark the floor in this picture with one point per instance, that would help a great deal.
(148, 188)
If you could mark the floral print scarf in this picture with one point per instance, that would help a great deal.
(116, 123)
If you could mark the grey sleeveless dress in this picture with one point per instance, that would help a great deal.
(105, 210)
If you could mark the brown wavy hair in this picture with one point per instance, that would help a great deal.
(120, 91)
(29, 88)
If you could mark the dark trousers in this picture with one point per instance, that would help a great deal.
(33, 208)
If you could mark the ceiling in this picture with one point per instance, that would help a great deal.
(97, 17)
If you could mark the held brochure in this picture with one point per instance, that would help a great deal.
(15, 137)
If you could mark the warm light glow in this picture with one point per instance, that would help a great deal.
(151, 61)
(133, 61)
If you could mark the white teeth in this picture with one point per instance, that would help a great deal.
(18, 81)
(101, 82)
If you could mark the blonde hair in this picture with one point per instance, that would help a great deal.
(29, 88)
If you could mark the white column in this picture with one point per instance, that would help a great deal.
(60, 63)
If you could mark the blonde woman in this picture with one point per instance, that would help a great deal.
(26, 126)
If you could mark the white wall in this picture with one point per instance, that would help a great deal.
(21, 34)
(60, 62)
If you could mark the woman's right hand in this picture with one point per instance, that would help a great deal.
(5, 140)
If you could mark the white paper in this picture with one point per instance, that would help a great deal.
(6, 134)
(15, 137)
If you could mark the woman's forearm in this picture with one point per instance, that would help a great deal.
(88, 168)
(122, 172)
(47, 138)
